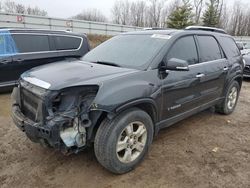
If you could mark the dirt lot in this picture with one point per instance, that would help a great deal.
(181, 156)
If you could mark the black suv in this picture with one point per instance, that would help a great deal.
(125, 90)
(23, 49)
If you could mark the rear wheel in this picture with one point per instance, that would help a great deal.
(229, 103)
(121, 144)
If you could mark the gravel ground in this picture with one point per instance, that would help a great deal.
(206, 150)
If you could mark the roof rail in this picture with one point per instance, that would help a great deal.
(212, 29)
(155, 28)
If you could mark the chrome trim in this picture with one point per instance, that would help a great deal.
(42, 52)
(182, 68)
(12, 83)
(207, 62)
(200, 75)
(246, 75)
(37, 82)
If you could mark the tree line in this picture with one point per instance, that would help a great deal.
(178, 14)
(233, 17)
(13, 7)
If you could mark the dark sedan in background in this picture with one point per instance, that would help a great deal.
(23, 49)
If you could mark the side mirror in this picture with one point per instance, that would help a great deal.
(240, 46)
(177, 65)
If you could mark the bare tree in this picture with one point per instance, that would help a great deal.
(225, 17)
(198, 5)
(9, 6)
(116, 12)
(155, 11)
(138, 11)
(39, 12)
(121, 12)
(12, 7)
(91, 15)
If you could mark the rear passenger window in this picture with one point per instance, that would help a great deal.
(67, 43)
(230, 47)
(31, 43)
(209, 48)
(7, 46)
(184, 49)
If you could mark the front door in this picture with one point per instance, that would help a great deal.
(180, 89)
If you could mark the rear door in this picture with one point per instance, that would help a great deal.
(213, 66)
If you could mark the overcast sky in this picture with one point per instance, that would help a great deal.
(68, 8)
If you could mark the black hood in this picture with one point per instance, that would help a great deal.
(65, 74)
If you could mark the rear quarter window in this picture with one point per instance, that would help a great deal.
(67, 42)
(31, 43)
(230, 47)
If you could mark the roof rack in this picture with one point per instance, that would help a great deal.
(155, 28)
(212, 29)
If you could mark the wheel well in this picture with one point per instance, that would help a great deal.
(146, 107)
(150, 109)
(239, 80)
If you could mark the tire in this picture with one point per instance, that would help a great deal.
(118, 130)
(225, 107)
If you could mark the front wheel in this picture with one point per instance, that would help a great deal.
(229, 103)
(121, 144)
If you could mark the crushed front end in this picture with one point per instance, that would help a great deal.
(60, 119)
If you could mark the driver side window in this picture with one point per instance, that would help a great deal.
(184, 49)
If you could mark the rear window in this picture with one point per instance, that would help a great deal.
(31, 43)
(209, 48)
(67, 43)
(230, 47)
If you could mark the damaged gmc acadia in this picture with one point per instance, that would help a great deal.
(120, 94)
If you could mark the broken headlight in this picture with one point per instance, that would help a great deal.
(73, 105)
(77, 98)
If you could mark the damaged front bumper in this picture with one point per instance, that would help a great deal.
(52, 134)
(65, 133)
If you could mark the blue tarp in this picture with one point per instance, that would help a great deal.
(7, 44)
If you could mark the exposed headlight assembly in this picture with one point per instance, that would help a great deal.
(74, 104)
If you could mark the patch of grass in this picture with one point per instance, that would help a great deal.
(95, 40)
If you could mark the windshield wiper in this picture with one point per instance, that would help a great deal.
(107, 63)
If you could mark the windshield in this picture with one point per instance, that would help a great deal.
(134, 51)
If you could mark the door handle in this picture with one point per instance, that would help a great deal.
(200, 75)
(225, 69)
(4, 62)
(19, 60)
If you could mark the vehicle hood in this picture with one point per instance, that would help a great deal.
(65, 74)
